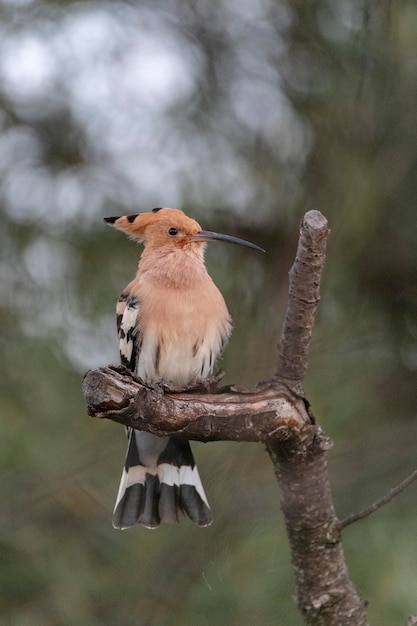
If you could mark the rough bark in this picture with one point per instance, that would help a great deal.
(325, 593)
(275, 413)
(303, 299)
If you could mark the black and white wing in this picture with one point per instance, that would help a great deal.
(127, 312)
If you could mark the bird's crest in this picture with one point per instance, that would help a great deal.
(161, 221)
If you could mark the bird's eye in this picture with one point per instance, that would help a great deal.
(172, 232)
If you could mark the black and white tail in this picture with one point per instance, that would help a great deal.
(160, 484)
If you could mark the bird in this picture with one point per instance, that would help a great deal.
(172, 324)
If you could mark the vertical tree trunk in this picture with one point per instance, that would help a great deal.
(325, 593)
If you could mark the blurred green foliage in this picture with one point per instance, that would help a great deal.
(246, 115)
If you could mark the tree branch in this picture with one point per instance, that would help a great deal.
(115, 393)
(303, 299)
(275, 413)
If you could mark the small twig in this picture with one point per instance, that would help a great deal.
(390, 495)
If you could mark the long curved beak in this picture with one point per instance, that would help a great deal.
(206, 235)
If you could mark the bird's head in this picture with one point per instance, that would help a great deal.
(169, 227)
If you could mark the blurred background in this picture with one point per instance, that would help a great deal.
(245, 114)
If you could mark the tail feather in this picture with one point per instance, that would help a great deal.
(169, 505)
(197, 510)
(129, 509)
(160, 484)
(149, 516)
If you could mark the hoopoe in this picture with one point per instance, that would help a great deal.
(172, 324)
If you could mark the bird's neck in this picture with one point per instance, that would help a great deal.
(174, 268)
